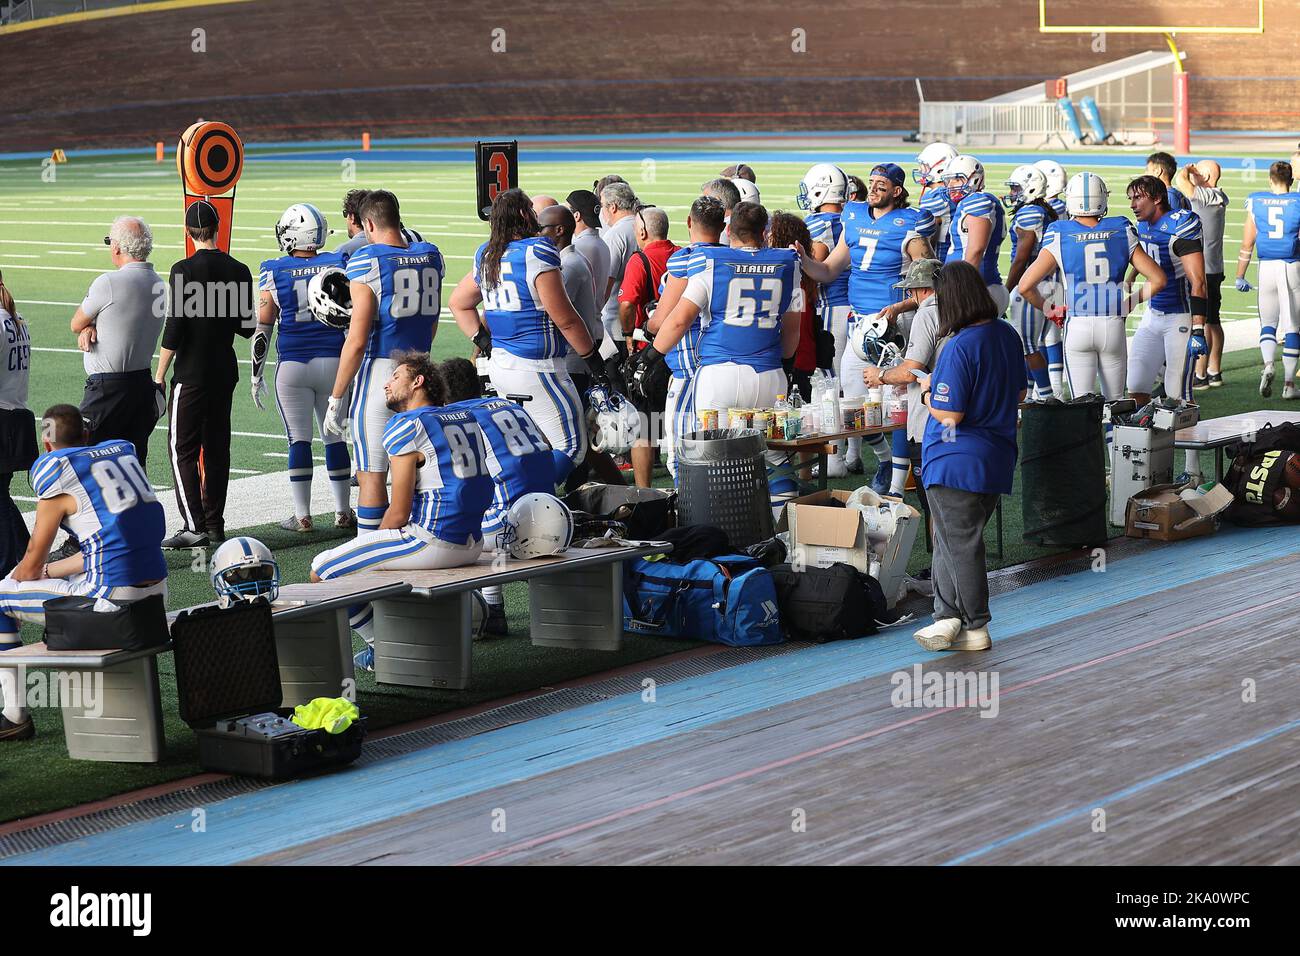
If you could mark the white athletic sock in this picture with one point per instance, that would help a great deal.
(342, 488)
(493, 594)
(1193, 463)
(881, 447)
(898, 480)
(301, 498)
(855, 449)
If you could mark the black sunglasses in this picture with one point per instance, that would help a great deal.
(108, 240)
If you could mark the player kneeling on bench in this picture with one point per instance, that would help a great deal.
(100, 493)
(441, 489)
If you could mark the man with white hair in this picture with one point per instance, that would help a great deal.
(618, 207)
(118, 324)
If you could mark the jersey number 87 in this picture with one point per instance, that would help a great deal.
(465, 443)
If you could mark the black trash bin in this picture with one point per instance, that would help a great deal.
(722, 481)
(1063, 473)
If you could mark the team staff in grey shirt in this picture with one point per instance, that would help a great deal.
(1200, 183)
(586, 239)
(118, 325)
(618, 208)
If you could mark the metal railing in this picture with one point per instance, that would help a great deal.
(990, 124)
(29, 10)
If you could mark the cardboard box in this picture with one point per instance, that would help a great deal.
(822, 535)
(1161, 514)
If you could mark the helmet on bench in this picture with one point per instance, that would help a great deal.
(536, 525)
(243, 569)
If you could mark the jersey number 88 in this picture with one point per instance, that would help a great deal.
(416, 291)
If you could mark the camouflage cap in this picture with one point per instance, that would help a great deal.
(920, 274)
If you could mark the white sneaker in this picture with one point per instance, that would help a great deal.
(972, 639)
(294, 523)
(940, 635)
(1266, 382)
(836, 467)
(1288, 392)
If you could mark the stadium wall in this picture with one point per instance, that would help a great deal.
(303, 70)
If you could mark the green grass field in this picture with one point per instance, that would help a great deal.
(51, 248)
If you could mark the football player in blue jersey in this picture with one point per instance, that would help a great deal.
(442, 487)
(1090, 251)
(934, 199)
(748, 299)
(396, 292)
(824, 190)
(101, 495)
(881, 237)
(307, 354)
(1030, 213)
(1273, 230)
(1164, 168)
(704, 225)
(979, 224)
(1052, 347)
(528, 323)
(519, 459)
(1172, 333)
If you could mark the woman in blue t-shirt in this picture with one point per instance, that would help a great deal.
(968, 453)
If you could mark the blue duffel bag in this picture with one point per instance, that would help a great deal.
(729, 599)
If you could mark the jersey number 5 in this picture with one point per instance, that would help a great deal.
(1276, 225)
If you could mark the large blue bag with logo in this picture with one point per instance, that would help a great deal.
(730, 599)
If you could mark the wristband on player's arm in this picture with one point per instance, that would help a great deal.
(1200, 306)
(261, 346)
(596, 365)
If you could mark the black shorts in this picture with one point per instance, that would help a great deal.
(1213, 297)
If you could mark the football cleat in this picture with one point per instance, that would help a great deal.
(294, 523)
(1266, 382)
(1288, 392)
(11, 732)
(345, 519)
(365, 660)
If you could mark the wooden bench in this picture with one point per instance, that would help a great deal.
(124, 725)
(423, 619)
(1214, 434)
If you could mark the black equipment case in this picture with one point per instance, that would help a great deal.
(228, 685)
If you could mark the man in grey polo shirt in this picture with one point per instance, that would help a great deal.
(587, 240)
(118, 324)
(618, 204)
(1200, 183)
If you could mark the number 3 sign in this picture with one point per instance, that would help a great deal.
(496, 167)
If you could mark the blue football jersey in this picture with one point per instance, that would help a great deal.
(1277, 224)
(301, 337)
(1177, 201)
(513, 309)
(118, 520)
(742, 295)
(453, 486)
(878, 252)
(939, 204)
(1028, 217)
(1092, 261)
(983, 206)
(1158, 240)
(519, 458)
(826, 228)
(1058, 206)
(684, 357)
(407, 283)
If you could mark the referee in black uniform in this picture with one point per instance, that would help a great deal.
(211, 301)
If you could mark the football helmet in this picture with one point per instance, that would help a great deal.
(748, 191)
(1027, 184)
(963, 176)
(536, 525)
(1086, 195)
(1055, 174)
(301, 228)
(867, 336)
(411, 236)
(823, 183)
(931, 162)
(613, 423)
(243, 569)
(329, 297)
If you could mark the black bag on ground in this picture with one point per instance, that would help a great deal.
(73, 624)
(228, 689)
(828, 604)
(697, 541)
(646, 512)
(1263, 481)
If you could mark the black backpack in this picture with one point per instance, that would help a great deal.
(1258, 472)
(829, 604)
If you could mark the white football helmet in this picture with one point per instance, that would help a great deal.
(411, 236)
(1055, 174)
(536, 525)
(931, 162)
(613, 423)
(329, 296)
(748, 191)
(243, 569)
(823, 183)
(1027, 184)
(867, 336)
(963, 174)
(301, 228)
(1086, 195)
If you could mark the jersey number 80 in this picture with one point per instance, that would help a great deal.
(122, 484)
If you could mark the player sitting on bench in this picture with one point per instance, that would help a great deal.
(100, 493)
(441, 489)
